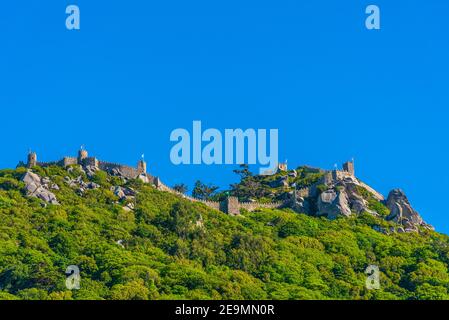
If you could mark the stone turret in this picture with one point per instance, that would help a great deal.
(403, 213)
(141, 167)
(231, 206)
(282, 167)
(82, 155)
(32, 159)
(349, 167)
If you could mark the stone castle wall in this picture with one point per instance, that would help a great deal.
(340, 175)
(47, 164)
(126, 171)
(161, 186)
(211, 204)
(251, 206)
(68, 161)
(231, 205)
(90, 162)
(83, 159)
(64, 162)
(376, 194)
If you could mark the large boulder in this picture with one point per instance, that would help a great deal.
(332, 203)
(90, 171)
(123, 193)
(81, 186)
(92, 185)
(144, 178)
(118, 192)
(300, 204)
(35, 186)
(356, 201)
(403, 213)
(280, 182)
(293, 174)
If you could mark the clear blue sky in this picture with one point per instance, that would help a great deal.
(139, 69)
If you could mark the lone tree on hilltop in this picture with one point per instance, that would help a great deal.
(243, 172)
(181, 188)
(203, 191)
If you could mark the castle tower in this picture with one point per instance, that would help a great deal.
(232, 206)
(334, 175)
(82, 155)
(349, 167)
(32, 159)
(282, 166)
(328, 178)
(141, 167)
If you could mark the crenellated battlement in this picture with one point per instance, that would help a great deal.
(230, 205)
(84, 160)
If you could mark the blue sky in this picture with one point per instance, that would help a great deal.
(139, 69)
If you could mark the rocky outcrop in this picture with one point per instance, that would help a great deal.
(357, 202)
(342, 198)
(144, 178)
(80, 185)
(332, 203)
(90, 170)
(280, 182)
(301, 204)
(129, 207)
(38, 187)
(403, 213)
(123, 193)
(339, 193)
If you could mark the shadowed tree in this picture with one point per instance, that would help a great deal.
(181, 188)
(203, 191)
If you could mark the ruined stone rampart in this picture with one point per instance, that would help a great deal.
(47, 164)
(251, 206)
(376, 194)
(126, 171)
(211, 204)
(84, 160)
(231, 205)
(68, 161)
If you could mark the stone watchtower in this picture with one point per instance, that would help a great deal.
(82, 155)
(32, 159)
(141, 167)
(349, 167)
(231, 206)
(282, 166)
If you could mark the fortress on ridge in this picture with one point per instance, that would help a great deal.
(230, 205)
(84, 160)
(331, 193)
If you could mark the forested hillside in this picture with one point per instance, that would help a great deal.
(131, 241)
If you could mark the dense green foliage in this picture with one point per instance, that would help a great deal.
(259, 187)
(203, 191)
(175, 249)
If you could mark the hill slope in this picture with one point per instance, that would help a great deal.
(131, 241)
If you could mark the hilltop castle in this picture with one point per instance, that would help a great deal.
(334, 193)
(230, 205)
(84, 160)
(282, 166)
